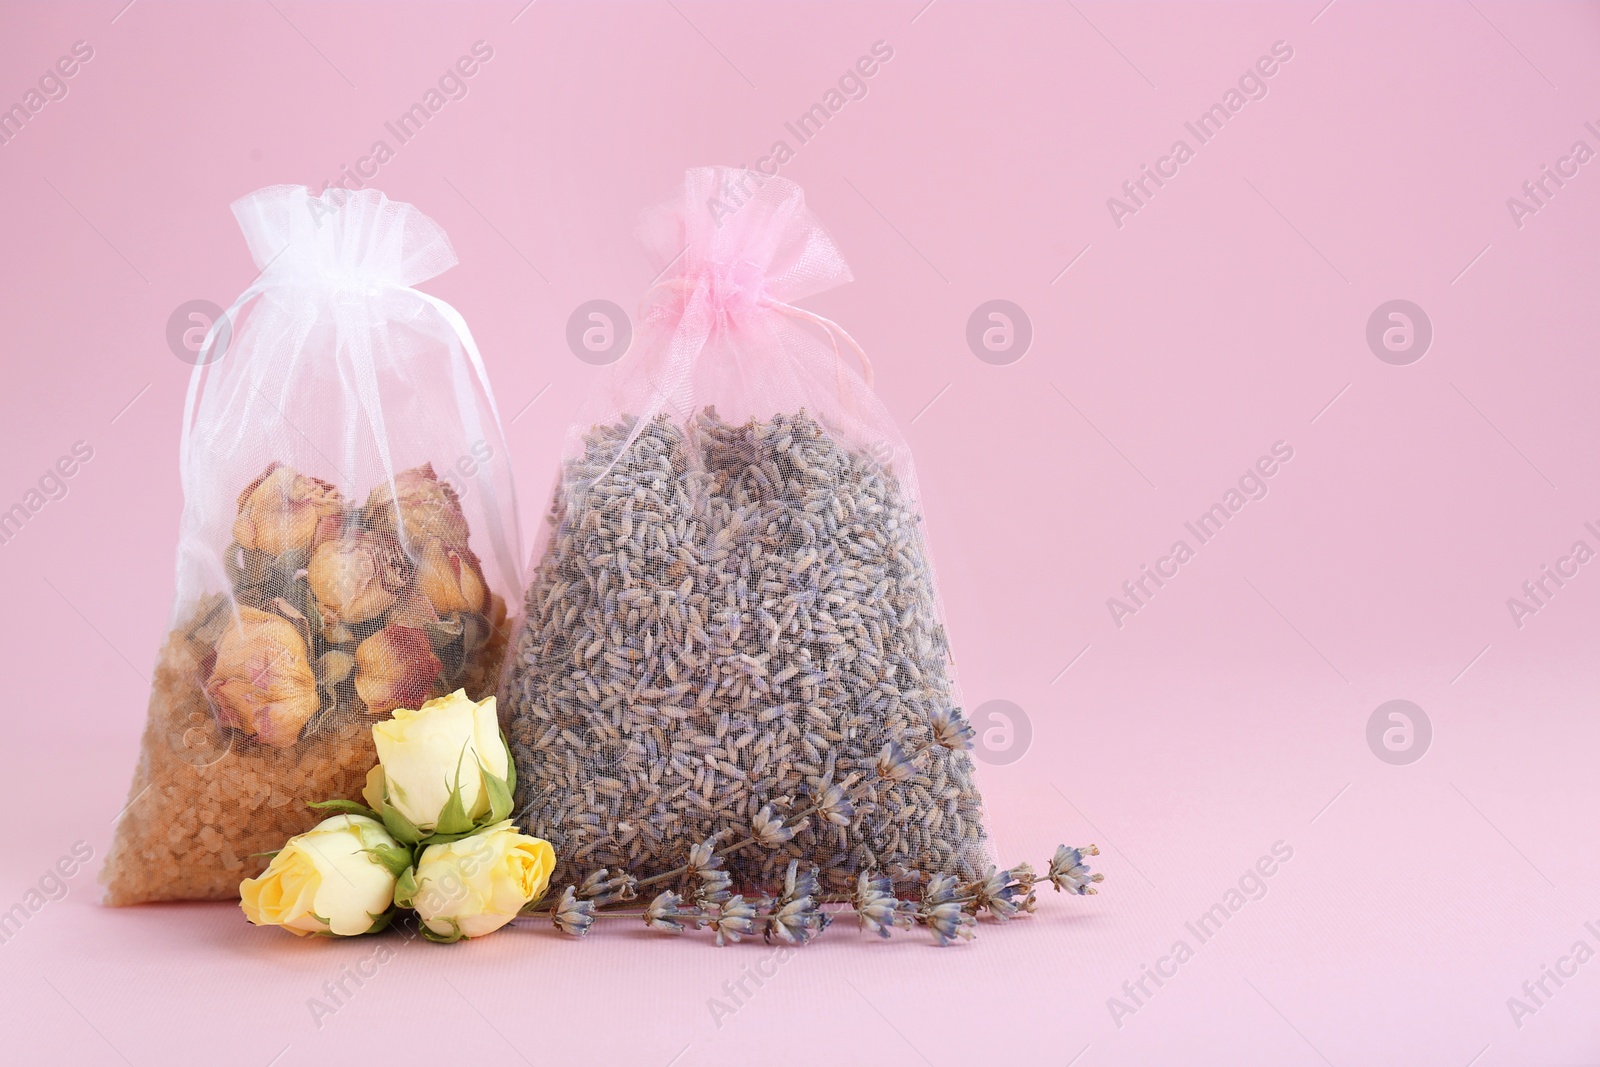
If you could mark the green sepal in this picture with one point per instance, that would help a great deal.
(400, 828)
(454, 819)
(344, 807)
(499, 795)
(511, 765)
(269, 855)
(396, 859)
(380, 922)
(483, 830)
(445, 839)
(406, 888)
(451, 938)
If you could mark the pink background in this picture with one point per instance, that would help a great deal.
(1224, 316)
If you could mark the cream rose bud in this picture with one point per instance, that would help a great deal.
(476, 885)
(336, 878)
(443, 768)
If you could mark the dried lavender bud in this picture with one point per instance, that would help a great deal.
(714, 888)
(995, 892)
(571, 915)
(948, 921)
(768, 829)
(1068, 872)
(703, 856)
(951, 729)
(798, 917)
(595, 883)
(834, 807)
(893, 765)
(877, 909)
(736, 918)
(666, 913)
(799, 882)
(797, 922)
(942, 888)
(1025, 877)
(602, 887)
(899, 872)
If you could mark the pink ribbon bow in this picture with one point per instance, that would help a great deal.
(735, 247)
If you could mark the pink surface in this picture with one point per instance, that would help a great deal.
(1227, 313)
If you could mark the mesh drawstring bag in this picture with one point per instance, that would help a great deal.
(348, 537)
(733, 612)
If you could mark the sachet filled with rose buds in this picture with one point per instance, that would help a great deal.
(347, 545)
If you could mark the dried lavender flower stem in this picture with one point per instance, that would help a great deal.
(947, 908)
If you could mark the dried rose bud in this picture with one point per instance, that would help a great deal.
(280, 510)
(330, 527)
(429, 508)
(395, 668)
(262, 683)
(358, 577)
(412, 609)
(449, 578)
(496, 611)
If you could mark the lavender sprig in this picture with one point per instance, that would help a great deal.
(948, 907)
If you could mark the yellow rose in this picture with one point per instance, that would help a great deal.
(280, 510)
(336, 878)
(261, 682)
(443, 768)
(476, 885)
